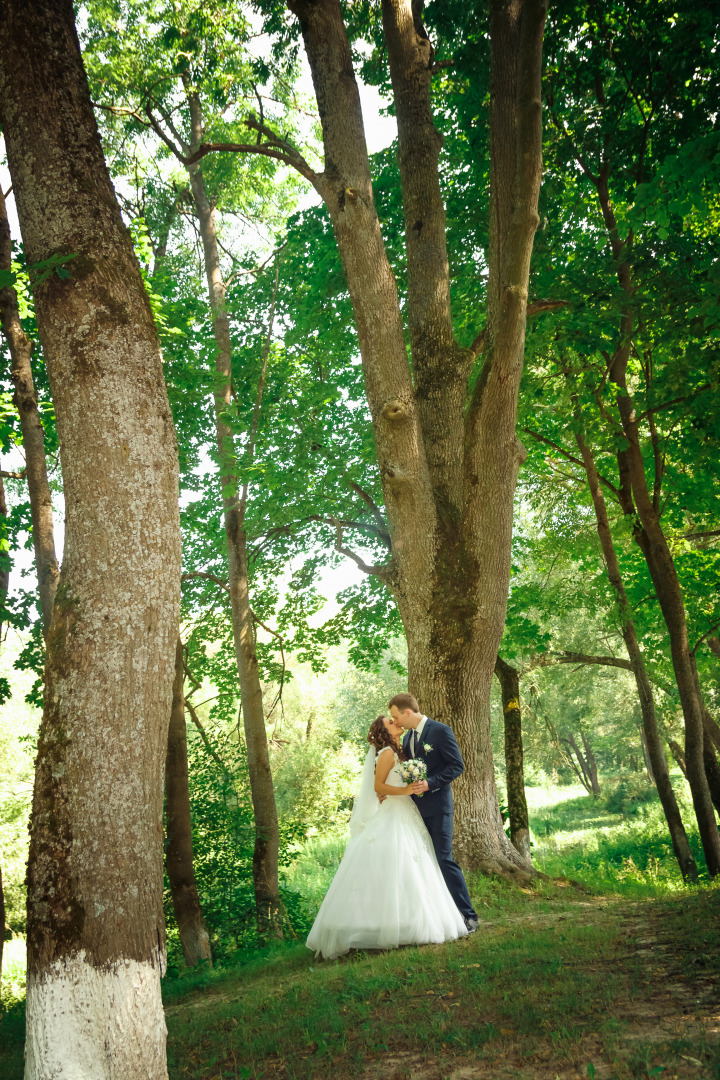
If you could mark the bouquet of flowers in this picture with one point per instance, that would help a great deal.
(413, 771)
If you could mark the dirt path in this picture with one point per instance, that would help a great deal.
(666, 1024)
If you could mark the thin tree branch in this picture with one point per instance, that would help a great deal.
(685, 536)
(674, 401)
(570, 457)
(275, 147)
(275, 634)
(534, 307)
(204, 736)
(175, 150)
(207, 577)
(378, 571)
(708, 634)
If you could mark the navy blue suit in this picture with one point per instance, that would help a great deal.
(444, 764)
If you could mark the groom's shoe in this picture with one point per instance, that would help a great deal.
(471, 923)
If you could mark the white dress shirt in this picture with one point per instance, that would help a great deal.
(415, 737)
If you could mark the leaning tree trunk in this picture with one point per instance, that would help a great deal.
(591, 762)
(448, 466)
(509, 680)
(33, 436)
(179, 851)
(653, 544)
(267, 839)
(578, 762)
(653, 742)
(643, 509)
(96, 939)
(677, 753)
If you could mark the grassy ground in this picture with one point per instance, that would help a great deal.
(554, 984)
(615, 982)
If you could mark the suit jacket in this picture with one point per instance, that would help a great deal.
(444, 764)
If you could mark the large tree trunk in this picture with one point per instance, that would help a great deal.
(448, 468)
(267, 840)
(179, 851)
(653, 742)
(95, 923)
(33, 436)
(509, 680)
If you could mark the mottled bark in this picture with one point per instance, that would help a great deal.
(95, 922)
(179, 847)
(509, 680)
(33, 436)
(267, 841)
(448, 467)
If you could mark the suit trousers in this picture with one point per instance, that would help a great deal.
(440, 827)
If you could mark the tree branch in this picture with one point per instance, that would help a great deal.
(275, 634)
(203, 735)
(534, 307)
(275, 147)
(685, 536)
(176, 151)
(570, 457)
(708, 634)
(207, 577)
(379, 571)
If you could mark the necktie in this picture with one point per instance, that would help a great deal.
(414, 742)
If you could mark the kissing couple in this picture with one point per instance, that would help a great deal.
(398, 883)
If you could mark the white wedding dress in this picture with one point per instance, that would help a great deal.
(388, 889)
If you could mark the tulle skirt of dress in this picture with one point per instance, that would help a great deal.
(388, 889)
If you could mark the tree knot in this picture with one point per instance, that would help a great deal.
(394, 410)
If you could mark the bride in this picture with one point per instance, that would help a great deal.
(388, 889)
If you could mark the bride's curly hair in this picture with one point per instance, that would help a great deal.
(380, 737)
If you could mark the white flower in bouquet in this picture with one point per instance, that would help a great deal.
(414, 770)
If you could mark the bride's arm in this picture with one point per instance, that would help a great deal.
(385, 763)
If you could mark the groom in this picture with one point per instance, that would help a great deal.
(434, 743)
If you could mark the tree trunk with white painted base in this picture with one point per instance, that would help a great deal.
(96, 946)
(448, 455)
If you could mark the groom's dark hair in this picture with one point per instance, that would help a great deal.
(403, 702)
